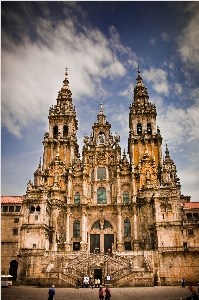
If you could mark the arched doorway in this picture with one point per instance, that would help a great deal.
(13, 269)
(101, 237)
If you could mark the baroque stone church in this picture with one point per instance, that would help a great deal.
(118, 218)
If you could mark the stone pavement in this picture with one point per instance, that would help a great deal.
(133, 293)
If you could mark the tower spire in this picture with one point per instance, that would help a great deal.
(140, 91)
(65, 92)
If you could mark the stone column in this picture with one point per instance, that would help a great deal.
(84, 243)
(118, 186)
(135, 231)
(67, 242)
(119, 230)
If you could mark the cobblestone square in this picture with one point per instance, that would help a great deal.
(134, 293)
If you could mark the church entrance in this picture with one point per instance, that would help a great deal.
(98, 276)
(106, 243)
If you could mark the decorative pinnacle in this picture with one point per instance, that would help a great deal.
(139, 79)
(167, 152)
(101, 110)
(138, 70)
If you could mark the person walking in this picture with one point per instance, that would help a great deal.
(101, 293)
(107, 293)
(183, 282)
(51, 293)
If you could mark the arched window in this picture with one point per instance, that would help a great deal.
(32, 209)
(96, 225)
(139, 129)
(101, 138)
(101, 173)
(149, 131)
(55, 132)
(101, 196)
(76, 229)
(77, 198)
(125, 197)
(65, 131)
(38, 208)
(127, 228)
(107, 224)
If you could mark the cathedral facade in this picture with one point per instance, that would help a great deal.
(115, 217)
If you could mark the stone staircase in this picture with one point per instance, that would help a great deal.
(123, 269)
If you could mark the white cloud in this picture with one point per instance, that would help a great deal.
(179, 126)
(129, 92)
(32, 71)
(178, 88)
(188, 39)
(158, 77)
(195, 95)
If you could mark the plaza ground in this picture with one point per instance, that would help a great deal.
(133, 293)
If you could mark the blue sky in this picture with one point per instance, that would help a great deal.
(101, 44)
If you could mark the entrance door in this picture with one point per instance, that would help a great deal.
(95, 243)
(13, 269)
(108, 241)
(98, 275)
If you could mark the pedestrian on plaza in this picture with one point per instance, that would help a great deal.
(183, 282)
(98, 282)
(108, 293)
(51, 293)
(195, 296)
(191, 288)
(92, 285)
(101, 293)
(95, 282)
(78, 283)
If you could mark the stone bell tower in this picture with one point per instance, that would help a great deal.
(46, 198)
(61, 140)
(145, 141)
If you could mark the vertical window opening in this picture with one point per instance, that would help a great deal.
(125, 197)
(101, 196)
(17, 208)
(127, 228)
(101, 173)
(139, 129)
(55, 132)
(38, 208)
(91, 191)
(32, 209)
(65, 131)
(76, 229)
(149, 131)
(77, 198)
